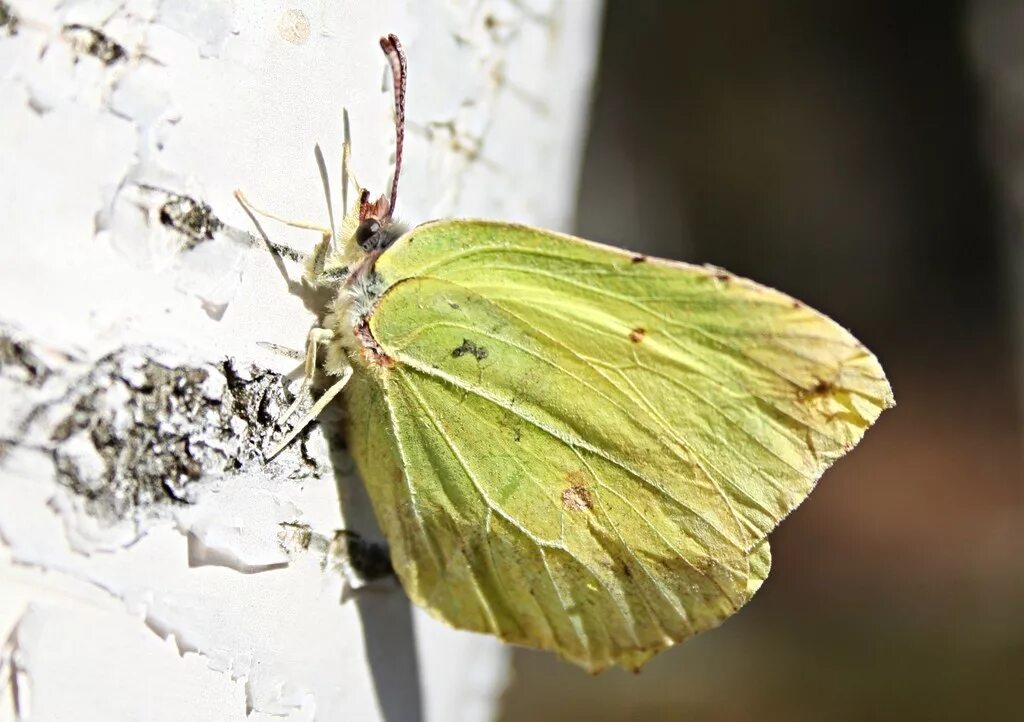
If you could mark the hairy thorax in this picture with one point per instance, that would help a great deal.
(355, 298)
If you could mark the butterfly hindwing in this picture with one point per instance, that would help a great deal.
(579, 450)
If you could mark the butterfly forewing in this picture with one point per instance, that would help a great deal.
(753, 390)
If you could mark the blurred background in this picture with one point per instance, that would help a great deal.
(864, 156)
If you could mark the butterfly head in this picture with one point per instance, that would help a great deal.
(377, 229)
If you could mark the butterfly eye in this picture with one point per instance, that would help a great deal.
(366, 231)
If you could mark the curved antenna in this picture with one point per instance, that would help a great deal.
(396, 58)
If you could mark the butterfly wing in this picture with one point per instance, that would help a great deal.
(587, 449)
(507, 521)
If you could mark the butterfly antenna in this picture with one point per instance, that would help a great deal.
(396, 58)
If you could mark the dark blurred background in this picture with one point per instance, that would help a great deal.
(848, 153)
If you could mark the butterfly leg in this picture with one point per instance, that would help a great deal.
(317, 337)
(288, 251)
(247, 204)
(282, 350)
(314, 339)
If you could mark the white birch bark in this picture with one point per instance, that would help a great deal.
(151, 565)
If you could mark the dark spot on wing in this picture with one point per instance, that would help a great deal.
(453, 305)
(638, 259)
(637, 334)
(820, 388)
(517, 434)
(471, 349)
(797, 304)
(723, 276)
(577, 498)
(627, 571)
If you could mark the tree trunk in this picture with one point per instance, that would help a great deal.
(996, 27)
(152, 565)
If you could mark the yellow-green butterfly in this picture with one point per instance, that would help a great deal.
(567, 445)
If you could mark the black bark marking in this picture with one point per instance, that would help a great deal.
(95, 43)
(191, 217)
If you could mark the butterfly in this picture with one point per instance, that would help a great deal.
(567, 445)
